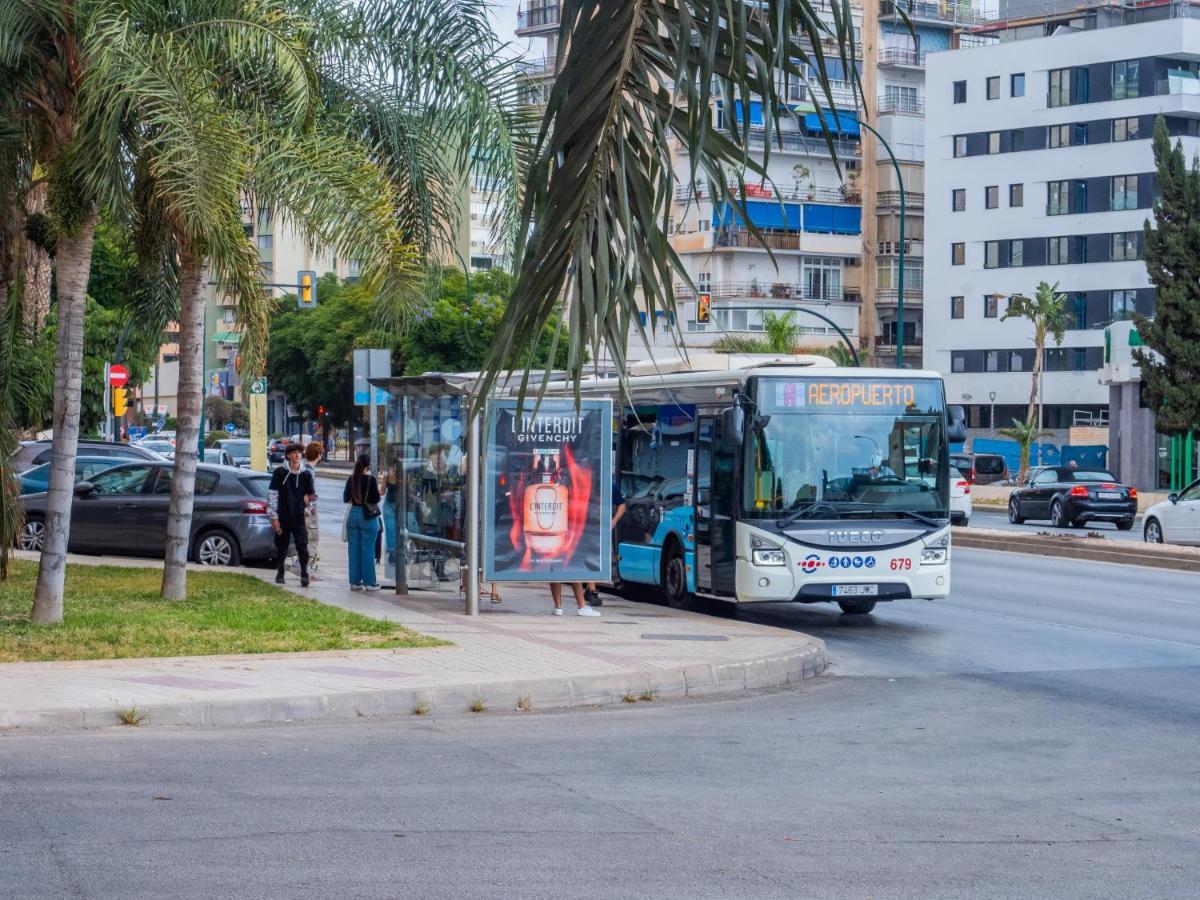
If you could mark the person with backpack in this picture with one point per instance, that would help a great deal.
(291, 492)
(362, 524)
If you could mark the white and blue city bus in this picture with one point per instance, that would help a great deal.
(783, 480)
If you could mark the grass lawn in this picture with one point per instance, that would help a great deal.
(113, 612)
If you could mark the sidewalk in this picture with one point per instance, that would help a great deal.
(514, 653)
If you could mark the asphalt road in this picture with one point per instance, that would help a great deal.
(983, 517)
(1035, 736)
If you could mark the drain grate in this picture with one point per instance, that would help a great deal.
(684, 637)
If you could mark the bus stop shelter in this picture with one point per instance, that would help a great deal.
(431, 510)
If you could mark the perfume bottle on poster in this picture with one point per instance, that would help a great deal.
(546, 507)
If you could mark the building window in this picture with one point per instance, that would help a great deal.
(1016, 195)
(1125, 246)
(822, 277)
(958, 362)
(1080, 318)
(991, 255)
(1079, 134)
(958, 307)
(993, 87)
(991, 308)
(1121, 305)
(1058, 198)
(1126, 129)
(960, 145)
(1060, 88)
(1060, 136)
(1124, 193)
(265, 241)
(958, 199)
(991, 196)
(1125, 79)
(1059, 251)
(991, 360)
(958, 254)
(1016, 84)
(960, 92)
(1016, 253)
(993, 142)
(1016, 361)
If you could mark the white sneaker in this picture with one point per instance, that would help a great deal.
(557, 611)
(588, 612)
(356, 587)
(371, 588)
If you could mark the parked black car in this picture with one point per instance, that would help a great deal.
(123, 510)
(1072, 496)
(34, 453)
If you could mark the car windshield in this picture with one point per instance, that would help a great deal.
(237, 448)
(848, 447)
(1089, 475)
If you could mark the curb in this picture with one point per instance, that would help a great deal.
(1067, 546)
(725, 679)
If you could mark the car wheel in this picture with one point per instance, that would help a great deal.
(856, 607)
(1014, 513)
(1057, 518)
(1125, 525)
(675, 580)
(33, 535)
(1152, 533)
(216, 548)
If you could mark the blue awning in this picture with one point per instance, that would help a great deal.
(756, 111)
(762, 213)
(843, 123)
(828, 218)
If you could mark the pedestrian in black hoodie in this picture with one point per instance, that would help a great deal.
(292, 490)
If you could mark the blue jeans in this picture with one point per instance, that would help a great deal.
(362, 533)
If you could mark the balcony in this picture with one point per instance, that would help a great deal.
(545, 67)
(912, 248)
(907, 106)
(743, 290)
(889, 340)
(899, 58)
(843, 93)
(891, 297)
(740, 238)
(537, 20)
(955, 12)
(885, 200)
(684, 194)
(797, 142)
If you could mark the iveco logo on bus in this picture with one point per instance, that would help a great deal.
(856, 537)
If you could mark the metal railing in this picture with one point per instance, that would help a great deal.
(537, 17)
(890, 296)
(813, 195)
(908, 105)
(740, 290)
(794, 141)
(537, 68)
(891, 200)
(963, 12)
(889, 340)
(741, 238)
(897, 56)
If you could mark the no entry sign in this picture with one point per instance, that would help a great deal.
(117, 375)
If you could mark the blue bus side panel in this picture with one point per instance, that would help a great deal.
(642, 563)
(639, 563)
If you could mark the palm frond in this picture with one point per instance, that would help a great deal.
(636, 76)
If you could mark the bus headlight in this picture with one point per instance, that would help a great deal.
(932, 556)
(768, 557)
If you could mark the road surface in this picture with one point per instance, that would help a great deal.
(1035, 736)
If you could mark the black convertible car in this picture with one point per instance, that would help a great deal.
(1072, 496)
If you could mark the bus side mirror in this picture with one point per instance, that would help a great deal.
(956, 424)
(733, 421)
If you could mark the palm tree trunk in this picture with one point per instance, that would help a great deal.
(73, 261)
(1039, 347)
(193, 279)
(37, 268)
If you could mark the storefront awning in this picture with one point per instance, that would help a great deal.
(843, 123)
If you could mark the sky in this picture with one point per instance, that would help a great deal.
(504, 18)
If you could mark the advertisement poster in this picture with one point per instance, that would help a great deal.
(548, 491)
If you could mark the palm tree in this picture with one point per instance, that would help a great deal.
(1047, 311)
(1025, 434)
(782, 332)
(634, 77)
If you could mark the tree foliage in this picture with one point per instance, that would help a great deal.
(1170, 362)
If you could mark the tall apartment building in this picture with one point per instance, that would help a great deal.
(1041, 147)
(811, 217)
(893, 84)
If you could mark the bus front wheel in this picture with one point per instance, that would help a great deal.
(856, 607)
(675, 579)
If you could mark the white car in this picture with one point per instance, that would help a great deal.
(960, 499)
(1176, 520)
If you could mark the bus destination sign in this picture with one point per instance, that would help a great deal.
(851, 394)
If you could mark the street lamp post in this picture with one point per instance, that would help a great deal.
(992, 413)
(900, 266)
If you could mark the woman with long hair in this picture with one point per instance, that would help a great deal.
(362, 524)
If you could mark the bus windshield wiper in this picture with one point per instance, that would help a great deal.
(852, 508)
(805, 511)
(933, 523)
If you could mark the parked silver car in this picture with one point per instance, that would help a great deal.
(124, 511)
(34, 453)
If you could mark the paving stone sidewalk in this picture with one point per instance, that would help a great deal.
(514, 653)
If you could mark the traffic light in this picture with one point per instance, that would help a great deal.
(120, 401)
(320, 412)
(307, 282)
(704, 308)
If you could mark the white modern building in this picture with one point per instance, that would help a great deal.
(1039, 168)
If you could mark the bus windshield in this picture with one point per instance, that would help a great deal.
(846, 447)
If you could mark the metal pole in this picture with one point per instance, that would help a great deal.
(203, 374)
(108, 416)
(402, 505)
(900, 267)
(474, 474)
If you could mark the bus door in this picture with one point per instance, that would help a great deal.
(713, 495)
